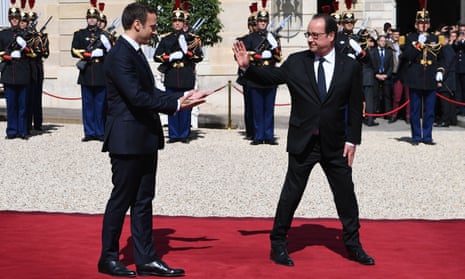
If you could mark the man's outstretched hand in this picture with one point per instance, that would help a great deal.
(194, 98)
(240, 52)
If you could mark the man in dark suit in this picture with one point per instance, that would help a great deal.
(382, 62)
(133, 135)
(324, 127)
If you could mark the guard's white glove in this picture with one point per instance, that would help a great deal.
(266, 54)
(439, 76)
(15, 54)
(106, 43)
(98, 52)
(422, 38)
(355, 46)
(182, 43)
(177, 55)
(270, 38)
(21, 42)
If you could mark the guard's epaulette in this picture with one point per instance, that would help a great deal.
(166, 34)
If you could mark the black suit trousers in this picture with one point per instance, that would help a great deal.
(339, 176)
(133, 187)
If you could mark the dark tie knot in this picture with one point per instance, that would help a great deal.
(321, 59)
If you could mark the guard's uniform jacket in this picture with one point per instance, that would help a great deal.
(422, 62)
(41, 49)
(342, 45)
(256, 44)
(180, 72)
(91, 72)
(14, 71)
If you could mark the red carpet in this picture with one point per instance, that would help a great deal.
(45, 245)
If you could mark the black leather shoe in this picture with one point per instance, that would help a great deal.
(186, 140)
(280, 256)
(271, 142)
(10, 137)
(414, 143)
(256, 142)
(442, 125)
(392, 120)
(87, 138)
(358, 255)
(429, 142)
(371, 124)
(158, 268)
(172, 140)
(115, 268)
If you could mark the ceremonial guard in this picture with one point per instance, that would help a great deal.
(40, 46)
(264, 51)
(178, 52)
(90, 45)
(15, 73)
(348, 42)
(248, 107)
(423, 74)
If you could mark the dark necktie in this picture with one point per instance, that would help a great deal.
(146, 63)
(142, 55)
(381, 59)
(321, 79)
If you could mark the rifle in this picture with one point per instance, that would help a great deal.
(197, 25)
(264, 44)
(114, 24)
(45, 25)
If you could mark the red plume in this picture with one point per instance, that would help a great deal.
(31, 3)
(185, 6)
(336, 5)
(101, 6)
(326, 9)
(263, 4)
(13, 2)
(348, 4)
(255, 6)
(422, 4)
(93, 3)
(177, 4)
(23, 4)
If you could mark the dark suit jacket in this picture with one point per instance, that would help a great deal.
(450, 63)
(308, 112)
(388, 64)
(132, 122)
